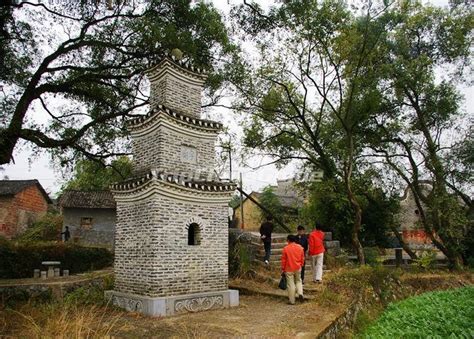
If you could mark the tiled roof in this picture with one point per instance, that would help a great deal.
(87, 199)
(201, 123)
(185, 65)
(13, 187)
(210, 186)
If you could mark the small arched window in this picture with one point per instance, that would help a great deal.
(194, 234)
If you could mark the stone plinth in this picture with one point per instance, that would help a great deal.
(174, 305)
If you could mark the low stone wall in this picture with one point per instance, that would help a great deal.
(343, 322)
(25, 289)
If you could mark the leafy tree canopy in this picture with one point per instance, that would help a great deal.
(270, 201)
(94, 176)
(338, 87)
(72, 71)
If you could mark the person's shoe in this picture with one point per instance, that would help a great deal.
(301, 298)
(267, 262)
(291, 303)
(319, 281)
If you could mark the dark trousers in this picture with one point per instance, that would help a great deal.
(267, 245)
(302, 270)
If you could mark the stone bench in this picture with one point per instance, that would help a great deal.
(52, 270)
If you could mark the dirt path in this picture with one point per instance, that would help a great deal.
(257, 317)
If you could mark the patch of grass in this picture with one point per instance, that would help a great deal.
(329, 298)
(83, 313)
(434, 315)
(58, 320)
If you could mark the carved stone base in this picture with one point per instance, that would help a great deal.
(166, 306)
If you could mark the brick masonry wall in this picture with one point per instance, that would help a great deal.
(177, 95)
(21, 211)
(152, 255)
(101, 231)
(412, 232)
(162, 149)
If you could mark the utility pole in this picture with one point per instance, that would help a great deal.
(230, 161)
(241, 203)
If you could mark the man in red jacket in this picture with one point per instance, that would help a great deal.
(292, 259)
(316, 251)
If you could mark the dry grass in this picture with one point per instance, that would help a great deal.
(58, 321)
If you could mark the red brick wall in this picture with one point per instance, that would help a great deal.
(19, 212)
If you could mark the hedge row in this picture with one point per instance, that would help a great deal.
(18, 260)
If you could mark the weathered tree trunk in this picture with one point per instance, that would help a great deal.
(357, 226)
(403, 244)
(354, 204)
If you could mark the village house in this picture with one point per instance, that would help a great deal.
(288, 196)
(22, 203)
(90, 216)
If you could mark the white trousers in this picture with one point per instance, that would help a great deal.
(317, 266)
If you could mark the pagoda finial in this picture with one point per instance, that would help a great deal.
(177, 53)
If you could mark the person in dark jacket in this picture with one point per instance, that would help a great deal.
(303, 241)
(266, 230)
(67, 234)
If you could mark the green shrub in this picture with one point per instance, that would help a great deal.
(371, 256)
(47, 228)
(332, 261)
(426, 260)
(241, 255)
(446, 314)
(470, 262)
(86, 295)
(18, 260)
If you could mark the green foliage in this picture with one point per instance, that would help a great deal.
(335, 84)
(90, 295)
(446, 314)
(333, 262)
(235, 201)
(20, 259)
(270, 201)
(48, 228)
(95, 70)
(241, 254)
(94, 176)
(427, 259)
(372, 256)
(329, 204)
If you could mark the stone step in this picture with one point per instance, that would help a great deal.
(278, 251)
(281, 237)
(279, 246)
(275, 245)
(332, 244)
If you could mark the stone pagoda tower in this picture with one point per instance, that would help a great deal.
(171, 240)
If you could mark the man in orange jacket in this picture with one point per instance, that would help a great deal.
(316, 251)
(292, 259)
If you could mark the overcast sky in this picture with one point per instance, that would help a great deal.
(31, 166)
